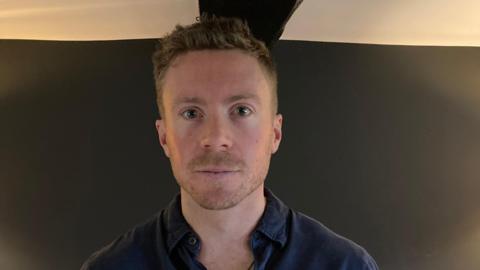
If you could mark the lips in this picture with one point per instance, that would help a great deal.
(216, 173)
(216, 170)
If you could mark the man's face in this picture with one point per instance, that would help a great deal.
(218, 129)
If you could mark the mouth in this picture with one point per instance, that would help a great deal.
(216, 173)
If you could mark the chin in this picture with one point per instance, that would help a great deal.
(221, 198)
(218, 198)
(216, 205)
(220, 194)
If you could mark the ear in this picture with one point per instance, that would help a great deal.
(277, 132)
(162, 135)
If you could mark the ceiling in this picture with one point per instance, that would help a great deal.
(401, 22)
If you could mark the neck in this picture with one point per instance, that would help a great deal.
(233, 225)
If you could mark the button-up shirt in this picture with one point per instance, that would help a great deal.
(283, 239)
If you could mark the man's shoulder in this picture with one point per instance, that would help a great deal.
(130, 250)
(320, 242)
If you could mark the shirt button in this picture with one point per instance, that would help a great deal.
(192, 240)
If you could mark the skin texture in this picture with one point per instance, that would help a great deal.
(206, 128)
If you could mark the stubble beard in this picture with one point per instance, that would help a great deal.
(216, 197)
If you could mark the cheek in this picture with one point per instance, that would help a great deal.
(250, 138)
(256, 140)
(179, 140)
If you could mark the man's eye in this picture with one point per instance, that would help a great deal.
(190, 114)
(243, 110)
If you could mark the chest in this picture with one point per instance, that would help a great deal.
(221, 265)
(226, 258)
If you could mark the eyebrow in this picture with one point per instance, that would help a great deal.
(200, 101)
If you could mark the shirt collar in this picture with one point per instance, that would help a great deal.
(272, 223)
(175, 223)
(274, 219)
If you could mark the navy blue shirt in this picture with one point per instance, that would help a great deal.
(282, 239)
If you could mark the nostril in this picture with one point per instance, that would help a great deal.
(216, 136)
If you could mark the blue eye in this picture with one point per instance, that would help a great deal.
(190, 114)
(243, 110)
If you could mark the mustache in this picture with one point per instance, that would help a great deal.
(216, 159)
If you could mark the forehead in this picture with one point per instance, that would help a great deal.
(214, 74)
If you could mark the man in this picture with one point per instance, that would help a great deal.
(217, 96)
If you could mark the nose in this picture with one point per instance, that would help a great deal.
(216, 134)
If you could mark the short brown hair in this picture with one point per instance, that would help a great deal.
(215, 33)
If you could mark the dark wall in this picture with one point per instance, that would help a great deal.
(381, 144)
